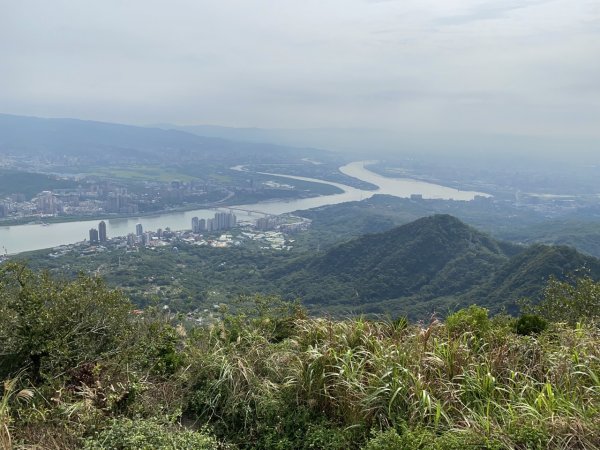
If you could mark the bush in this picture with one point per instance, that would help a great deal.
(49, 325)
(323, 437)
(570, 302)
(529, 324)
(473, 319)
(385, 440)
(159, 347)
(465, 439)
(529, 436)
(424, 439)
(127, 434)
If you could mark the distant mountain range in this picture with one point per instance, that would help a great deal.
(338, 139)
(435, 263)
(80, 138)
(477, 148)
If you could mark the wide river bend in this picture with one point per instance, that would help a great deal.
(22, 238)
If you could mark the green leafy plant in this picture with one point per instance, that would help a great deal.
(529, 324)
(473, 319)
(146, 434)
(48, 325)
(569, 301)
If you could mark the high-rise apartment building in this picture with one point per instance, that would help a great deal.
(47, 203)
(93, 236)
(102, 231)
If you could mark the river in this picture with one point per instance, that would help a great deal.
(22, 238)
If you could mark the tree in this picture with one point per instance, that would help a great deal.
(569, 302)
(48, 325)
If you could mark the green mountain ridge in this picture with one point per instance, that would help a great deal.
(433, 261)
(504, 222)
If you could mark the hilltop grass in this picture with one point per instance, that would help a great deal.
(274, 378)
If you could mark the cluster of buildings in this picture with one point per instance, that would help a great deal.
(98, 235)
(267, 230)
(283, 223)
(99, 197)
(89, 199)
(274, 238)
(221, 221)
(45, 203)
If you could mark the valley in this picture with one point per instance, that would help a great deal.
(300, 225)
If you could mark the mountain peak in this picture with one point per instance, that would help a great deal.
(433, 260)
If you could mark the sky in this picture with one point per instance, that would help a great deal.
(523, 67)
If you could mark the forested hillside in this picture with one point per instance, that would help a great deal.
(82, 368)
(432, 264)
(435, 264)
(503, 220)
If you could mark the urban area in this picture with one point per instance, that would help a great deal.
(221, 231)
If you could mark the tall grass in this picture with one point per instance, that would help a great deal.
(362, 375)
(10, 394)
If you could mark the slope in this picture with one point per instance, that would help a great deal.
(436, 261)
(76, 138)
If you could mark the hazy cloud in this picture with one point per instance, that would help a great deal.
(505, 66)
(489, 11)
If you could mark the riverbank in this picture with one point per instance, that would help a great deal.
(229, 203)
(21, 238)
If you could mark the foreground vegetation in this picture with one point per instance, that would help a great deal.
(85, 370)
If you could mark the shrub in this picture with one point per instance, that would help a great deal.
(529, 436)
(473, 319)
(409, 439)
(385, 440)
(50, 325)
(570, 302)
(424, 439)
(158, 347)
(324, 437)
(529, 324)
(465, 439)
(127, 434)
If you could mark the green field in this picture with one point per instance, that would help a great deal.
(140, 173)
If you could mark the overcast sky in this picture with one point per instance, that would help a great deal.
(508, 66)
